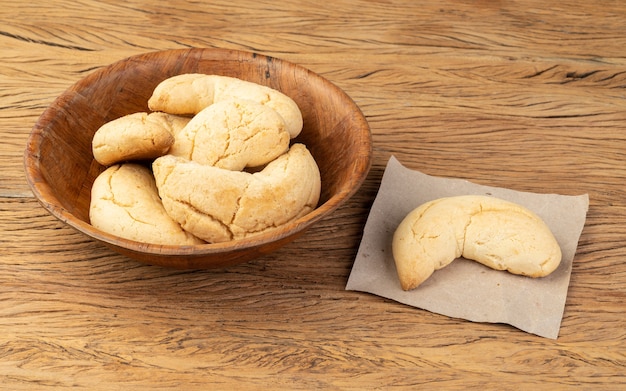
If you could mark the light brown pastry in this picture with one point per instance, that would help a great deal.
(233, 134)
(136, 136)
(219, 205)
(125, 202)
(191, 92)
(499, 234)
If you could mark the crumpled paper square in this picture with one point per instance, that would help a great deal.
(466, 289)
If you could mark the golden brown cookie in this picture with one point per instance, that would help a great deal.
(499, 234)
(233, 134)
(219, 205)
(190, 93)
(136, 136)
(125, 202)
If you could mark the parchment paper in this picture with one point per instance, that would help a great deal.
(466, 289)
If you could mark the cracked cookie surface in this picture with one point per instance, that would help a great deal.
(499, 234)
(219, 205)
(190, 93)
(233, 134)
(125, 202)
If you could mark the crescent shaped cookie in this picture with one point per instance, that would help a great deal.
(219, 205)
(191, 92)
(125, 202)
(136, 136)
(233, 134)
(499, 234)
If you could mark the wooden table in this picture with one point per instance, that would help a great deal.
(518, 94)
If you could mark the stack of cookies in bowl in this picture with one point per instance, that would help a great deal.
(213, 161)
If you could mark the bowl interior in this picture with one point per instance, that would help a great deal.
(59, 163)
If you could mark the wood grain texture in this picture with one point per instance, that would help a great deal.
(520, 94)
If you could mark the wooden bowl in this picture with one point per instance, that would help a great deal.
(60, 167)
